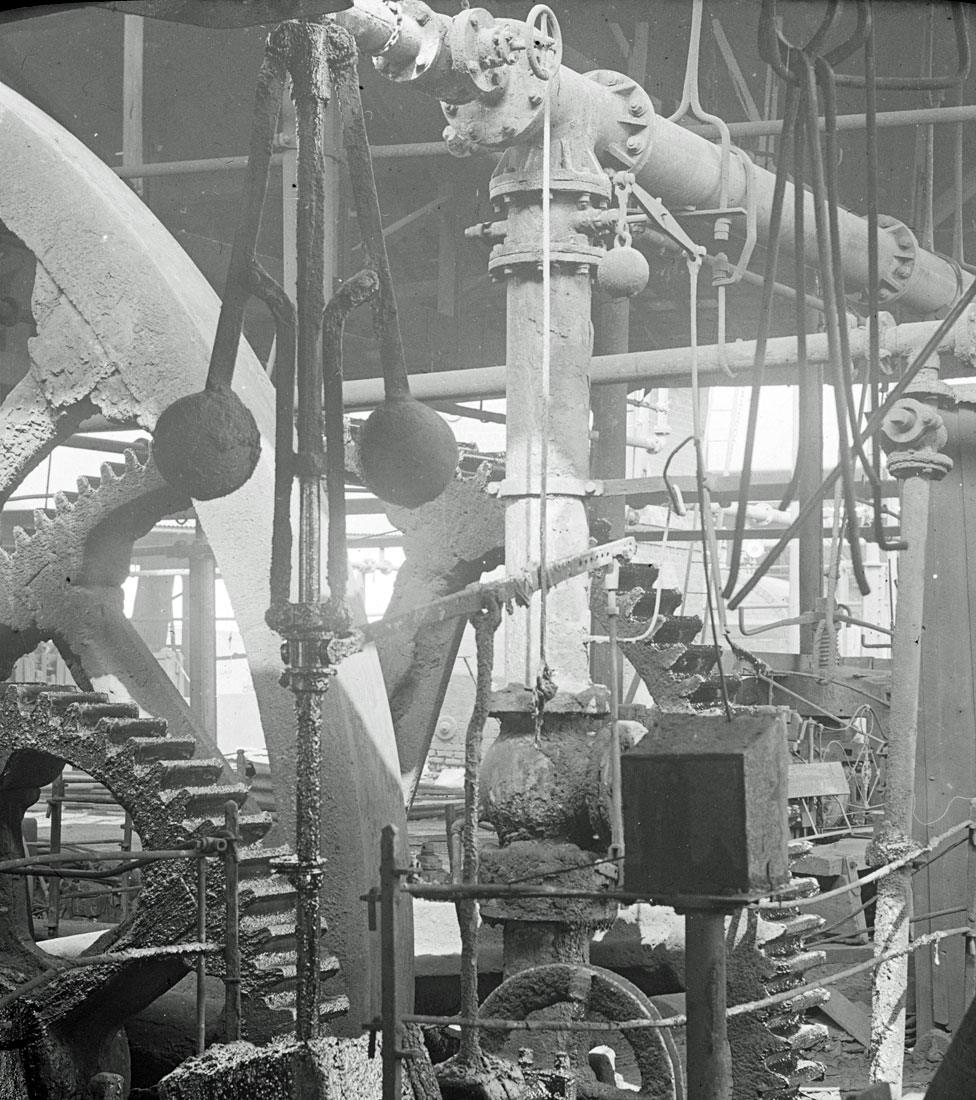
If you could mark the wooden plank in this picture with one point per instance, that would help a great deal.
(853, 1018)
(818, 779)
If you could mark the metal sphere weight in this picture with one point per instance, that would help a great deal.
(207, 443)
(623, 272)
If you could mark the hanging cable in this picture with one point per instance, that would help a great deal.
(544, 686)
(874, 422)
(708, 542)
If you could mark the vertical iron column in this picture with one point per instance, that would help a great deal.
(548, 738)
(912, 433)
(709, 1057)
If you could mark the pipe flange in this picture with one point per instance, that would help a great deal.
(473, 42)
(925, 462)
(506, 261)
(626, 141)
(893, 283)
(408, 57)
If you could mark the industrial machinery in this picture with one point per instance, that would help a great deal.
(582, 160)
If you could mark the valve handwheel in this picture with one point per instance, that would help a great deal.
(544, 43)
(595, 993)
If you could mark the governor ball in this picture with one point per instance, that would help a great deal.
(407, 452)
(622, 272)
(207, 444)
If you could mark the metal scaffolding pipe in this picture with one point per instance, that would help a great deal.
(925, 116)
(672, 366)
(238, 164)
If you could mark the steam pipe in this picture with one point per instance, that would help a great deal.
(412, 44)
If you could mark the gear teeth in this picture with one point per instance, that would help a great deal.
(85, 487)
(21, 538)
(4, 556)
(62, 505)
(42, 521)
(132, 461)
(108, 473)
(110, 740)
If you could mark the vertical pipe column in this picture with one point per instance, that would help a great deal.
(568, 610)
(913, 432)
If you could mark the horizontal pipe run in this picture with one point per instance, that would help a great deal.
(885, 120)
(927, 116)
(238, 164)
(671, 367)
(761, 534)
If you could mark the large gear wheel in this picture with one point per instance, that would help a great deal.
(173, 795)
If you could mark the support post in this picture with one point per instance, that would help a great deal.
(969, 978)
(201, 965)
(200, 615)
(54, 887)
(912, 432)
(709, 1056)
(809, 460)
(390, 1024)
(232, 931)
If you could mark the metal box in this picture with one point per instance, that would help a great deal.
(704, 805)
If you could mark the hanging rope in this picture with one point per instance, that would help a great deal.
(545, 687)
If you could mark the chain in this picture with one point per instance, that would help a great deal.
(623, 187)
(397, 12)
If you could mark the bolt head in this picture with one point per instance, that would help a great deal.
(423, 17)
(508, 131)
(450, 109)
(534, 99)
(633, 144)
(379, 63)
(637, 108)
